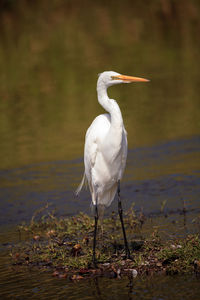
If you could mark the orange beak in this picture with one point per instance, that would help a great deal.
(127, 79)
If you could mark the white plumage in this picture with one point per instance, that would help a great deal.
(105, 151)
(106, 144)
(104, 158)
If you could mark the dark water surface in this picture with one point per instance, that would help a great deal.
(166, 172)
(41, 285)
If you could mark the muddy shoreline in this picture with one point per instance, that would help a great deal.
(64, 248)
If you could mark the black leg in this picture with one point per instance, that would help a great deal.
(122, 221)
(96, 217)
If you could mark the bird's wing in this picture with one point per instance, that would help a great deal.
(90, 152)
(124, 152)
(97, 130)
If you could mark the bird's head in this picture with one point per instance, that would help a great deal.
(109, 78)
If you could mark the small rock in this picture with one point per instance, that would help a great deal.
(118, 273)
(155, 259)
(197, 263)
(55, 273)
(106, 265)
(76, 250)
(62, 275)
(197, 266)
(86, 240)
(134, 273)
(36, 237)
(84, 271)
(159, 264)
(66, 269)
(50, 232)
(76, 277)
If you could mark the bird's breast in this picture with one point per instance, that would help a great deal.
(111, 157)
(112, 144)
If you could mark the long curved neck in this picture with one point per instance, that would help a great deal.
(109, 105)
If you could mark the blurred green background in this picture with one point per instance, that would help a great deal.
(52, 51)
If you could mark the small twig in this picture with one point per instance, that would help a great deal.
(37, 212)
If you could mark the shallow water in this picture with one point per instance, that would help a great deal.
(165, 173)
(22, 283)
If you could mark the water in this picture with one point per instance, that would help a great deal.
(34, 287)
(23, 190)
(164, 172)
(20, 283)
(49, 58)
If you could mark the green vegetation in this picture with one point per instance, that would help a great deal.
(65, 246)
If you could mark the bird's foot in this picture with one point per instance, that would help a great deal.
(94, 264)
(128, 256)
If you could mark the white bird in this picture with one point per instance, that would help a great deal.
(105, 151)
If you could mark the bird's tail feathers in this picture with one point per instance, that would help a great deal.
(77, 192)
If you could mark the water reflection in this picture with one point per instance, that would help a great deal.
(25, 283)
(49, 72)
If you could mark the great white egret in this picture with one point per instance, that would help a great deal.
(105, 152)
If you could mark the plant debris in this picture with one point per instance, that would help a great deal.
(65, 247)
